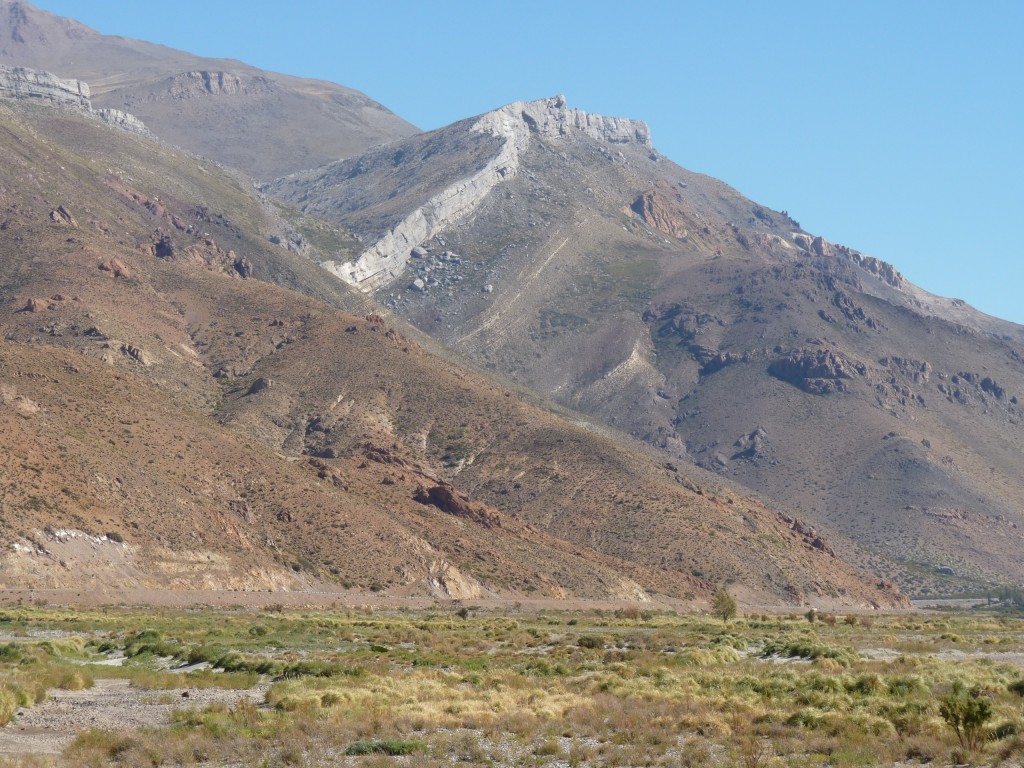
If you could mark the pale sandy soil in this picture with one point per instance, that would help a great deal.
(48, 728)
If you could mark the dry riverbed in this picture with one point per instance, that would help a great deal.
(48, 728)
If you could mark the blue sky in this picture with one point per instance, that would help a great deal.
(894, 128)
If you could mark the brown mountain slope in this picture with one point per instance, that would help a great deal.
(234, 432)
(578, 261)
(263, 123)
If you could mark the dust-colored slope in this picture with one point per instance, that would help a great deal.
(235, 432)
(663, 302)
(264, 123)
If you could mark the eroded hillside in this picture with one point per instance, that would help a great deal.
(189, 404)
(578, 261)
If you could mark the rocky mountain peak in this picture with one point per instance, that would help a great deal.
(517, 125)
(23, 26)
(553, 118)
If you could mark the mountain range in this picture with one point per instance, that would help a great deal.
(263, 123)
(521, 355)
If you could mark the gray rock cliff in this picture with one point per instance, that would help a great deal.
(33, 85)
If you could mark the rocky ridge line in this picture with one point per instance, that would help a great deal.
(24, 84)
(385, 260)
(27, 84)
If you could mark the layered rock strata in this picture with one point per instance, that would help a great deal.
(23, 84)
(33, 84)
(517, 124)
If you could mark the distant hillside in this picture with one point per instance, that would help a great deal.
(263, 123)
(186, 402)
(562, 250)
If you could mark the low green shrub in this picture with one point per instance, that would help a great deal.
(966, 713)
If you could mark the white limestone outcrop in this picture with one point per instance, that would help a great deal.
(34, 85)
(517, 123)
(123, 120)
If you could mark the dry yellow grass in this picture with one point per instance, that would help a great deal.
(591, 688)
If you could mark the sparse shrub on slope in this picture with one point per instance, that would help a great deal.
(966, 712)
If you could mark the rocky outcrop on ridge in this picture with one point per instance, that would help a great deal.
(122, 120)
(819, 246)
(818, 372)
(24, 84)
(517, 124)
(188, 85)
(449, 500)
(655, 211)
(33, 84)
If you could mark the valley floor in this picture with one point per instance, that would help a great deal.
(235, 598)
(449, 684)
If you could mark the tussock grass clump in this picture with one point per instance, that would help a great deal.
(10, 699)
(98, 742)
(200, 678)
(28, 671)
(809, 649)
(706, 657)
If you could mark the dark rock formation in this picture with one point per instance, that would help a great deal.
(61, 215)
(819, 372)
(447, 499)
(260, 385)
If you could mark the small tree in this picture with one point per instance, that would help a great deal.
(724, 605)
(966, 713)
